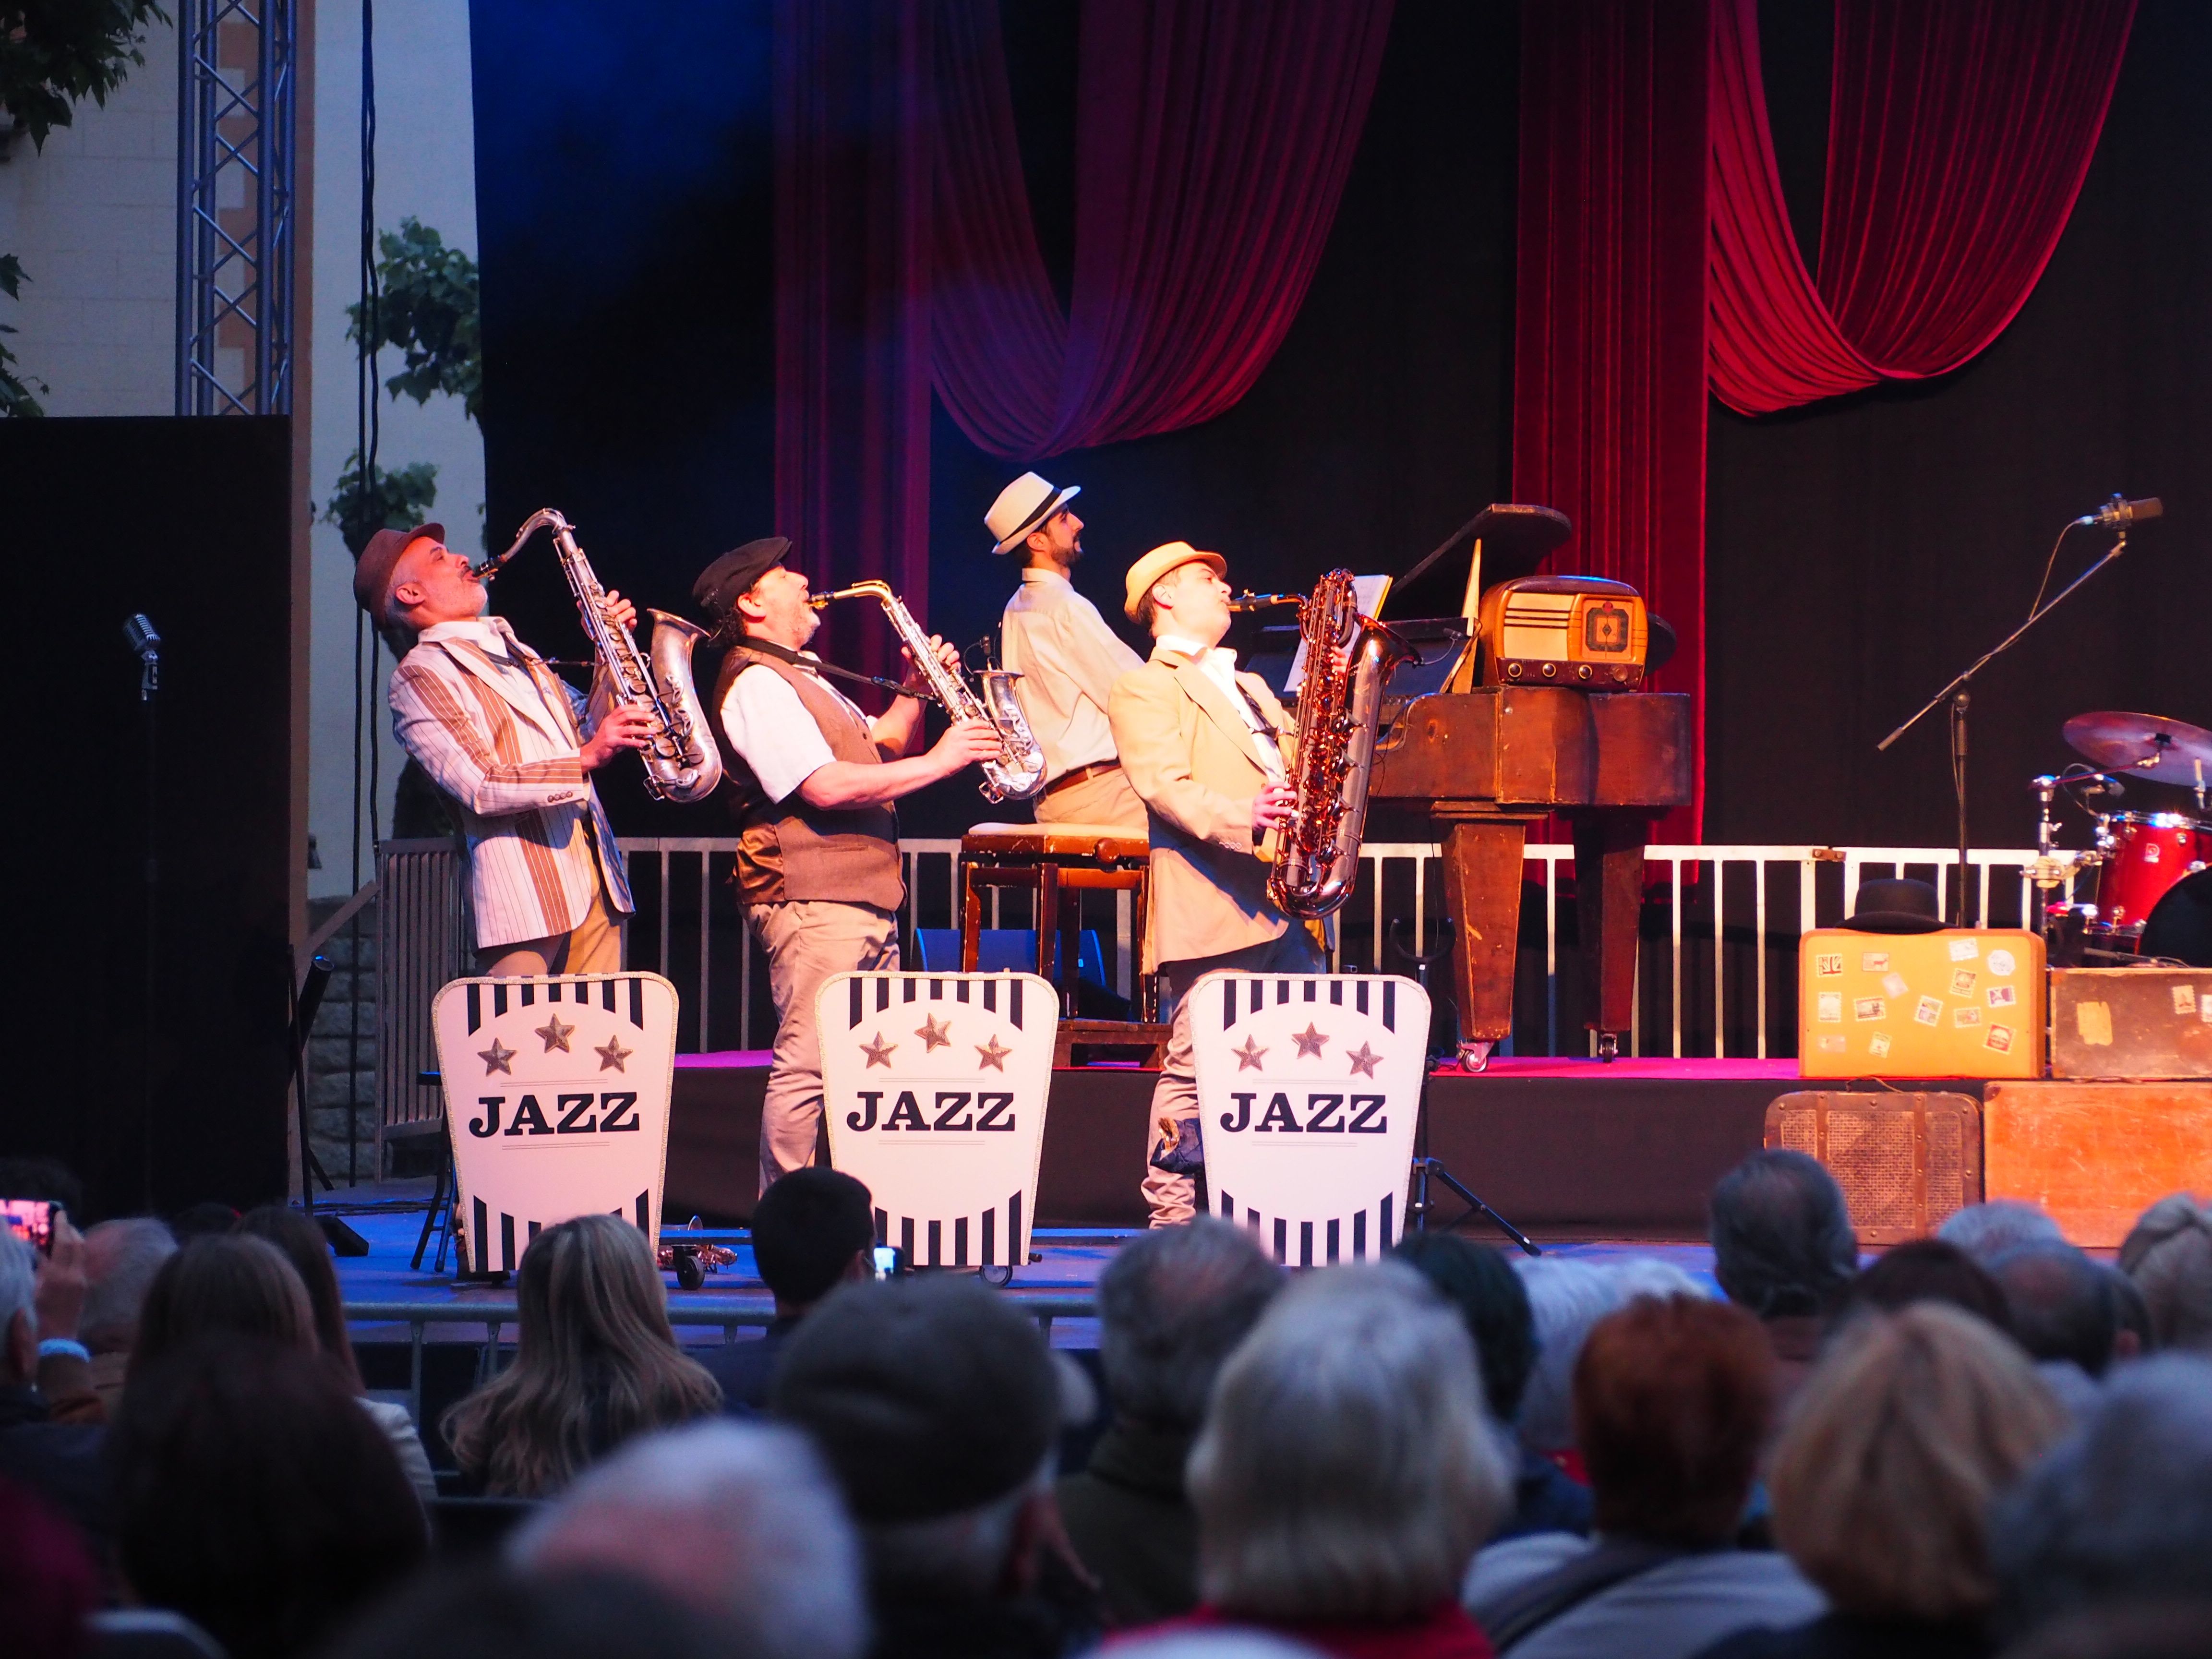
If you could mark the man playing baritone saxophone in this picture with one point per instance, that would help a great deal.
(1067, 657)
(1208, 750)
(500, 734)
(812, 780)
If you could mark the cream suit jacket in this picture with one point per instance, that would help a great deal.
(1188, 755)
(538, 842)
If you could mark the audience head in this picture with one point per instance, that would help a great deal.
(1566, 1297)
(1479, 1282)
(1172, 1305)
(47, 1584)
(489, 1613)
(595, 1363)
(739, 1521)
(1673, 1400)
(254, 1496)
(197, 1220)
(2133, 1334)
(937, 1405)
(2153, 1627)
(221, 1285)
(2169, 1257)
(1985, 1232)
(2122, 1507)
(309, 1252)
(1930, 1270)
(1347, 1472)
(1781, 1236)
(120, 1261)
(812, 1229)
(1881, 1479)
(2062, 1302)
(19, 1310)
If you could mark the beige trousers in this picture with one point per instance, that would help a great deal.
(807, 940)
(1106, 798)
(592, 946)
(1172, 1198)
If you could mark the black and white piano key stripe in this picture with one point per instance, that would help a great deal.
(1365, 1235)
(622, 994)
(992, 1239)
(480, 1233)
(1259, 993)
(875, 994)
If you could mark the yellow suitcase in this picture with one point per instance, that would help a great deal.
(1963, 1002)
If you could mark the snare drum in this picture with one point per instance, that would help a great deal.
(2145, 853)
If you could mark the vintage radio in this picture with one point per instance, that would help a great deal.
(1961, 1002)
(2131, 1022)
(1583, 632)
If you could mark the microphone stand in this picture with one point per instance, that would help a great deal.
(1955, 692)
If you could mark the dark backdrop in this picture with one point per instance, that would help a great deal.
(1860, 552)
(187, 521)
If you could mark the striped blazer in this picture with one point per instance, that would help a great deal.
(538, 841)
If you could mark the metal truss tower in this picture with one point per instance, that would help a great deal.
(236, 223)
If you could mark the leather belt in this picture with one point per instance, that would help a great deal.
(1068, 780)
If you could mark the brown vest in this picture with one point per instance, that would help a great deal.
(787, 849)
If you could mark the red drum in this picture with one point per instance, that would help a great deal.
(2145, 854)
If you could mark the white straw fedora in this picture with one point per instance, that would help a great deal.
(1168, 556)
(1022, 506)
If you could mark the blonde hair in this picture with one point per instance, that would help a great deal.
(1346, 1470)
(1883, 1477)
(595, 1363)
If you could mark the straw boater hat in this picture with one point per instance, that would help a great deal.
(1022, 507)
(1169, 556)
(371, 571)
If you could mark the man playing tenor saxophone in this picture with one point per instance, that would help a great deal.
(483, 715)
(1206, 749)
(811, 783)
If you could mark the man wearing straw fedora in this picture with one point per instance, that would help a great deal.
(1067, 657)
(1208, 750)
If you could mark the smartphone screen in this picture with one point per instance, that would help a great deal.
(887, 1261)
(32, 1219)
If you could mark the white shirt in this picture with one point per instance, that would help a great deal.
(1219, 665)
(771, 728)
(1069, 659)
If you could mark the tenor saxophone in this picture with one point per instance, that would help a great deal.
(682, 765)
(1018, 773)
(1349, 658)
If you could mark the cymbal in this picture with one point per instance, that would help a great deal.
(2143, 746)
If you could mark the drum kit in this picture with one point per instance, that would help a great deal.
(2152, 870)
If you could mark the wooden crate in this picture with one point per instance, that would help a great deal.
(2096, 1155)
(1904, 1161)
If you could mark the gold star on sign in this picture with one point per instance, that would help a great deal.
(1250, 1056)
(995, 1056)
(1363, 1061)
(879, 1052)
(555, 1034)
(933, 1035)
(613, 1054)
(1308, 1041)
(496, 1058)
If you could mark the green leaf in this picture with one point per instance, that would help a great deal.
(359, 507)
(55, 53)
(16, 400)
(427, 309)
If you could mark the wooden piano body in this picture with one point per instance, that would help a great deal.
(1488, 762)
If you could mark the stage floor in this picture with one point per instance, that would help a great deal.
(1565, 1149)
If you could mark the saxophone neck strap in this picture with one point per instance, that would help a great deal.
(799, 659)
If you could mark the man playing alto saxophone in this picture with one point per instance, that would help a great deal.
(811, 782)
(483, 715)
(1204, 747)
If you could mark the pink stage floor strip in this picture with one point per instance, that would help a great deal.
(1512, 1067)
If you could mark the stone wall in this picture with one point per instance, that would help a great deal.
(341, 1068)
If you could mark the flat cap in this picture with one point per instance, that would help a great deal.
(735, 572)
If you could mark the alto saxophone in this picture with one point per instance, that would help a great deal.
(1018, 773)
(1349, 658)
(681, 763)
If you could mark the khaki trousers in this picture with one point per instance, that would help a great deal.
(1172, 1198)
(1105, 798)
(807, 940)
(594, 946)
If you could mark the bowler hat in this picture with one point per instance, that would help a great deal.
(1896, 907)
(371, 571)
(1022, 506)
(1169, 556)
(720, 583)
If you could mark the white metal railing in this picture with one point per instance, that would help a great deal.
(1715, 970)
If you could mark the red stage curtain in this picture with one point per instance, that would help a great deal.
(1212, 142)
(1609, 347)
(1958, 136)
(849, 93)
